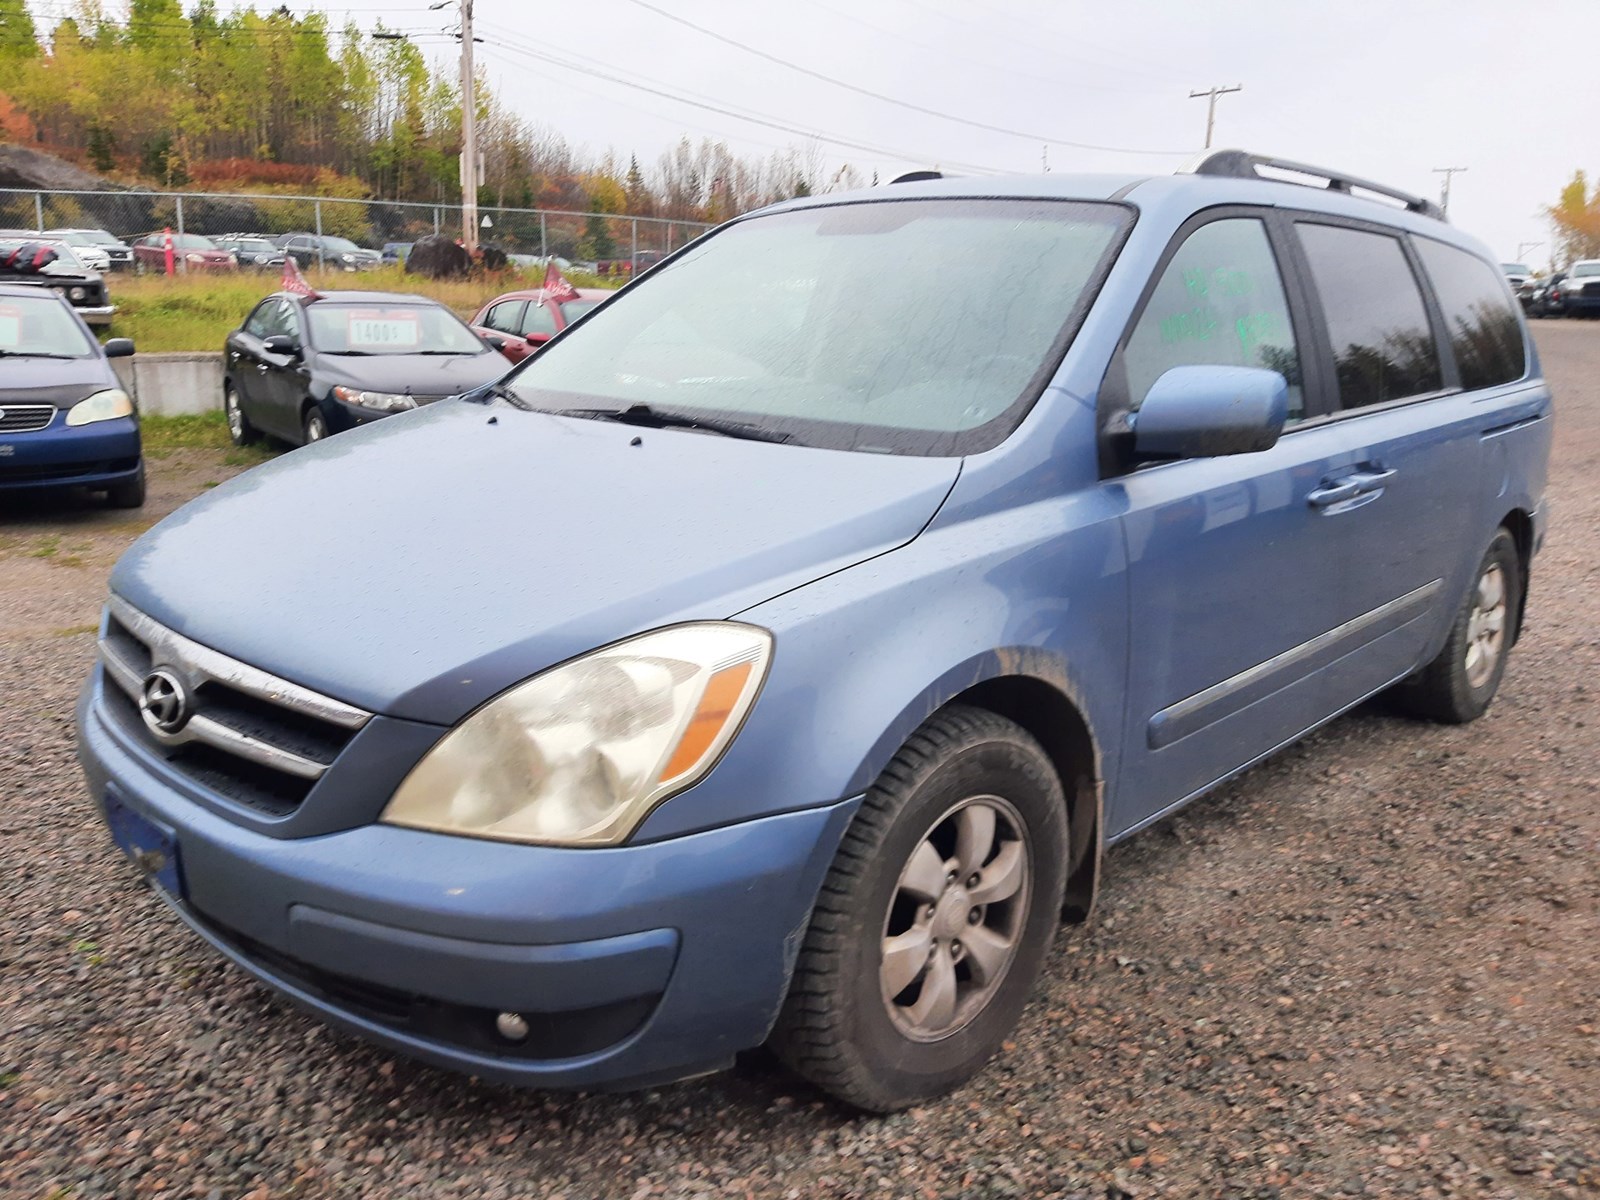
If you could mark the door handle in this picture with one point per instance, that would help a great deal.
(1336, 492)
(1367, 480)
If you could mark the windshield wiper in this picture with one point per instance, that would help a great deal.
(655, 418)
(353, 353)
(33, 354)
(453, 352)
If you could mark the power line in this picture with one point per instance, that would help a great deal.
(509, 45)
(906, 104)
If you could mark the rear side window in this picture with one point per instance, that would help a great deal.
(1377, 321)
(1220, 302)
(1482, 322)
(539, 320)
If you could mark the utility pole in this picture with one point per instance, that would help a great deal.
(469, 135)
(1444, 191)
(1211, 108)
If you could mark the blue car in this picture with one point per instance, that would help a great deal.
(772, 658)
(64, 419)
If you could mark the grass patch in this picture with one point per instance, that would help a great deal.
(202, 431)
(75, 630)
(197, 312)
(49, 546)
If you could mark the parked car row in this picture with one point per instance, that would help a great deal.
(38, 260)
(1574, 292)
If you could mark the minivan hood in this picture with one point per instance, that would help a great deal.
(420, 565)
(414, 374)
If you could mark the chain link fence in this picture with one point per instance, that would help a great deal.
(612, 244)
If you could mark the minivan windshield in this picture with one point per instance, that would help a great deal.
(904, 326)
(40, 327)
(1585, 268)
(380, 328)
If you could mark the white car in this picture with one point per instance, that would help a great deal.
(93, 258)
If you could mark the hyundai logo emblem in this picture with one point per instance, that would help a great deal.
(164, 703)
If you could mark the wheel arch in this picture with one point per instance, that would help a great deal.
(1033, 689)
(1519, 524)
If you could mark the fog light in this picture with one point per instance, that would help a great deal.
(511, 1026)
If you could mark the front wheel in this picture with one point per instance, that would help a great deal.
(129, 494)
(315, 426)
(240, 431)
(935, 918)
(1458, 685)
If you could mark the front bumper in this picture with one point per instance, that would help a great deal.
(1580, 302)
(95, 456)
(630, 965)
(99, 316)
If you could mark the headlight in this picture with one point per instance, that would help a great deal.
(377, 401)
(102, 406)
(347, 257)
(194, 258)
(580, 755)
(76, 293)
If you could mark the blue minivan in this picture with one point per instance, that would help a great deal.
(772, 658)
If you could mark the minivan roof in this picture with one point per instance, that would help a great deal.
(1217, 178)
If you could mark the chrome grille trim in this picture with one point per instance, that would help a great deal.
(201, 665)
(26, 418)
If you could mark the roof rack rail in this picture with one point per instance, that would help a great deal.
(917, 176)
(1240, 164)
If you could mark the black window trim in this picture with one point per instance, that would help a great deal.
(1111, 418)
(1448, 375)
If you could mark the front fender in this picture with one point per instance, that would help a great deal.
(864, 655)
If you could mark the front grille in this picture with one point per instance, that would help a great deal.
(1592, 289)
(26, 418)
(246, 736)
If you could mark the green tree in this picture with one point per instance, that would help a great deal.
(19, 40)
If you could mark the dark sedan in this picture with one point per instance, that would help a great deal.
(302, 367)
(64, 419)
(334, 253)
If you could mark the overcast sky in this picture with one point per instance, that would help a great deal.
(1388, 89)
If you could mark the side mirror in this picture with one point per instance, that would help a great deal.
(282, 343)
(1206, 411)
(493, 341)
(536, 339)
(119, 348)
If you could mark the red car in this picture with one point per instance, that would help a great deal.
(521, 322)
(190, 252)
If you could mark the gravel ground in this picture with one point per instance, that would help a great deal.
(1367, 968)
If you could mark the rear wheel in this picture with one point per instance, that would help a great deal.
(935, 918)
(240, 431)
(1458, 685)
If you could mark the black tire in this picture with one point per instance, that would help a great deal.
(314, 427)
(130, 494)
(1446, 690)
(837, 1027)
(240, 431)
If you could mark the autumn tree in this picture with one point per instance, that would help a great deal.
(1575, 220)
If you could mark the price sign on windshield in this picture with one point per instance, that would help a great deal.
(393, 329)
(10, 327)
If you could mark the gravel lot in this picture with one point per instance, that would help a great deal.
(1368, 968)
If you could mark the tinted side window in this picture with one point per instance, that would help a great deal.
(1482, 321)
(1376, 318)
(260, 322)
(539, 320)
(1220, 302)
(504, 316)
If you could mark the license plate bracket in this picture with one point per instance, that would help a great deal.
(151, 847)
